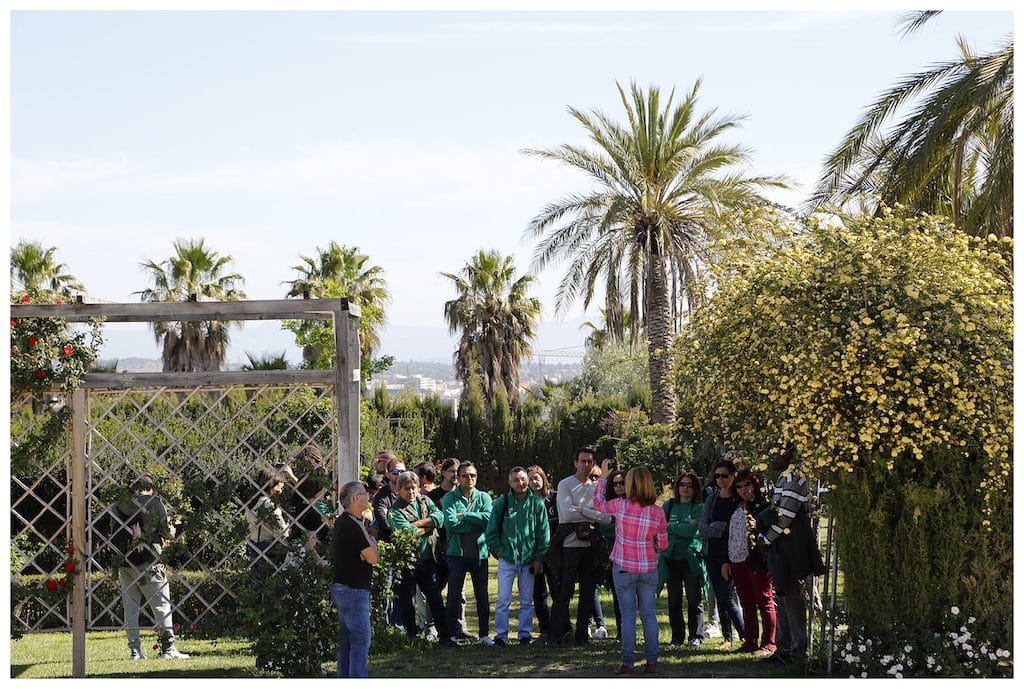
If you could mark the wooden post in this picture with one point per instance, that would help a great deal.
(79, 412)
(346, 390)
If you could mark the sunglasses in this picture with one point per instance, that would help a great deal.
(743, 485)
(722, 475)
(467, 475)
(686, 485)
(618, 483)
(396, 472)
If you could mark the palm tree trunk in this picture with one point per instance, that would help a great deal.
(658, 324)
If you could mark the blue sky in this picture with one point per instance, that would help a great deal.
(271, 133)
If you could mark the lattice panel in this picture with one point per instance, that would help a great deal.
(204, 448)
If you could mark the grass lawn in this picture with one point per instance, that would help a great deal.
(49, 655)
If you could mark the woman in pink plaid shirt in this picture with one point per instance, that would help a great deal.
(640, 532)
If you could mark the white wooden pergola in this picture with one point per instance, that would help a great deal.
(344, 379)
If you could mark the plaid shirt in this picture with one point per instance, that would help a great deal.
(638, 531)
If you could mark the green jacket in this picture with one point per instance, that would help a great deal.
(684, 540)
(402, 514)
(518, 529)
(475, 511)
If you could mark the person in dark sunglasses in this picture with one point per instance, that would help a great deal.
(713, 524)
(684, 560)
(382, 502)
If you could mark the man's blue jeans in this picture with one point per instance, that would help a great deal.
(636, 592)
(458, 566)
(354, 629)
(507, 573)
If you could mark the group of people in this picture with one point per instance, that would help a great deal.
(557, 543)
(747, 551)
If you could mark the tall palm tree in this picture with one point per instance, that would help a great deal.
(34, 267)
(194, 271)
(342, 271)
(662, 182)
(276, 361)
(952, 151)
(496, 322)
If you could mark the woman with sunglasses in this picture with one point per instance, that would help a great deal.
(684, 560)
(615, 487)
(542, 581)
(748, 568)
(713, 523)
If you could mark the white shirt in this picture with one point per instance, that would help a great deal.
(575, 502)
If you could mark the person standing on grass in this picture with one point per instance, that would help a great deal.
(640, 533)
(517, 535)
(382, 502)
(748, 567)
(577, 550)
(466, 514)
(714, 520)
(142, 530)
(418, 513)
(354, 552)
(684, 561)
(449, 482)
(543, 581)
(615, 487)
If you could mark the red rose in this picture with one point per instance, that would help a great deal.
(68, 350)
(32, 341)
(58, 302)
(70, 550)
(25, 299)
(64, 581)
(69, 567)
(50, 585)
(40, 374)
(13, 324)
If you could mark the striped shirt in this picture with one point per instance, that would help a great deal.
(639, 531)
(789, 496)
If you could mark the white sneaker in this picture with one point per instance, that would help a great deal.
(711, 630)
(486, 641)
(172, 652)
(600, 633)
(136, 655)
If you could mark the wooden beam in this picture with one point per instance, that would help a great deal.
(346, 394)
(79, 411)
(156, 312)
(181, 379)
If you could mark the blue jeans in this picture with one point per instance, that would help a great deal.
(725, 597)
(636, 592)
(458, 566)
(353, 629)
(507, 573)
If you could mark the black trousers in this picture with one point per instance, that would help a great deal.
(424, 576)
(680, 576)
(576, 563)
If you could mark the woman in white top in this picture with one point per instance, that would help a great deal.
(267, 525)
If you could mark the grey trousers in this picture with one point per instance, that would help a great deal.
(149, 585)
(791, 619)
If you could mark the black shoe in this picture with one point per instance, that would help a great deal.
(498, 641)
(780, 658)
(465, 636)
(449, 642)
(676, 642)
(525, 641)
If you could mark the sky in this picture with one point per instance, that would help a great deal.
(269, 134)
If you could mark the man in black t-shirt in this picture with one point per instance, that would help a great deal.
(354, 554)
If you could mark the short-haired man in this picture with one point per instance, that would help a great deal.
(583, 553)
(517, 535)
(141, 531)
(385, 498)
(466, 513)
(354, 554)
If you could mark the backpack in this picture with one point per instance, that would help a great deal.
(127, 540)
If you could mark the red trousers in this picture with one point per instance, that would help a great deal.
(755, 593)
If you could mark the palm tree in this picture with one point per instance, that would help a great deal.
(951, 154)
(35, 268)
(268, 362)
(662, 182)
(341, 271)
(194, 271)
(496, 322)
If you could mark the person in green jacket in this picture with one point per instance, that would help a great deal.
(683, 559)
(466, 513)
(518, 536)
(415, 512)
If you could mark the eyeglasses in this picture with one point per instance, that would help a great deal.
(742, 485)
(467, 475)
(618, 483)
(722, 475)
(585, 461)
(686, 485)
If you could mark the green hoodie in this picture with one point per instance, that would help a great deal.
(402, 514)
(476, 512)
(518, 529)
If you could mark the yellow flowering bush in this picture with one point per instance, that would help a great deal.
(870, 342)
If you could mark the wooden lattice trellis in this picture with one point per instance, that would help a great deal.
(186, 426)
